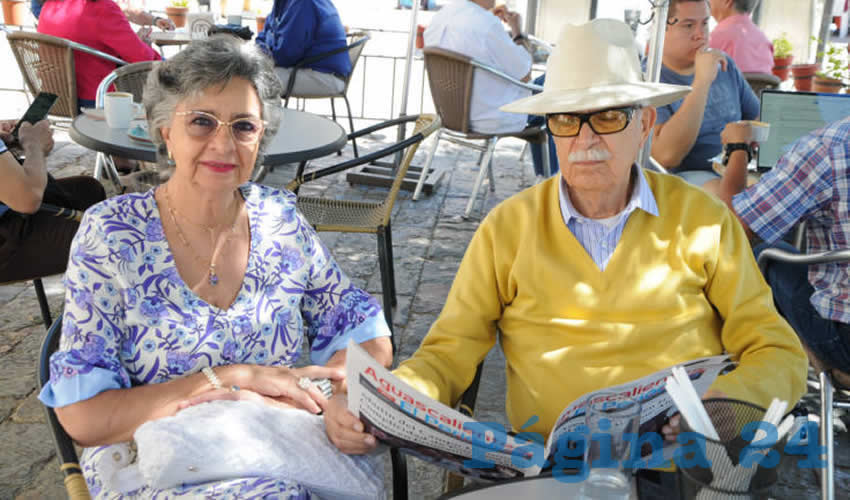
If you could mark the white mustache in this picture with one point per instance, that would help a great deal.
(589, 155)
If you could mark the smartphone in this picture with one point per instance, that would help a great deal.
(37, 111)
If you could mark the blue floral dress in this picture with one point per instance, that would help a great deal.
(130, 319)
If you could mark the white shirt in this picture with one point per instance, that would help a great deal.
(467, 28)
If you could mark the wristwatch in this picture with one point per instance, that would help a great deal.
(737, 146)
(519, 37)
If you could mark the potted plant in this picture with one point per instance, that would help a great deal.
(15, 12)
(831, 78)
(260, 14)
(803, 75)
(782, 56)
(177, 12)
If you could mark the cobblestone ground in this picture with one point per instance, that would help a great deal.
(429, 241)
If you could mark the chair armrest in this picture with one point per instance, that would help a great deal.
(505, 76)
(652, 164)
(318, 57)
(829, 257)
(65, 213)
(95, 52)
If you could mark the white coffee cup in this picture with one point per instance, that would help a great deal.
(119, 109)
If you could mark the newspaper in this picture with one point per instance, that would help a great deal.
(402, 417)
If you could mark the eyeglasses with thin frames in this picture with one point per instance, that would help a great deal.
(203, 125)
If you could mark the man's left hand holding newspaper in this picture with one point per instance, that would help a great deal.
(345, 430)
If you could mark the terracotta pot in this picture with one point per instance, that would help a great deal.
(803, 75)
(420, 39)
(177, 15)
(782, 66)
(14, 12)
(261, 22)
(828, 85)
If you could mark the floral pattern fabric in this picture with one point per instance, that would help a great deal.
(130, 319)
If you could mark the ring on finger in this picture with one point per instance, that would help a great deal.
(305, 383)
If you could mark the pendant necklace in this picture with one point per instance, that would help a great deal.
(216, 243)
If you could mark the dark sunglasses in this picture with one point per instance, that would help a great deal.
(203, 125)
(606, 121)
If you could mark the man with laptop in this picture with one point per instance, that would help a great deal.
(811, 183)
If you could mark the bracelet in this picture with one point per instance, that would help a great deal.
(737, 146)
(212, 377)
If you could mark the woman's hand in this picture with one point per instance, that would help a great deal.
(164, 23)
(38, 137)
(345, 430)
(242, 395)
(282, 384)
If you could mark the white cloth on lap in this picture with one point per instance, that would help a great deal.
(233, 439)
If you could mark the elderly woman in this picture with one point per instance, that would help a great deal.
(201, 288)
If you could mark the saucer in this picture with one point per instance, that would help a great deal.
(139, 133)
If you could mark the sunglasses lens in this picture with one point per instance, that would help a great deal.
(247, 131)
(564, 125)
(609, 121)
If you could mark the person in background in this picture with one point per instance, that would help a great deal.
(134, 15)
(101, 25)
(299, 29)
(33, 245)
(474, 28)
(603, 274)
(737, 36)
(687, 134)
(809, 183)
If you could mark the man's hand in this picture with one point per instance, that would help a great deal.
(706, 64)
(6, 127)
(38, 137)
(735, 132)
(511, 18)
(344, 430)
(673, 426)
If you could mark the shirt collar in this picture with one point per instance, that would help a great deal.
(641, 198)
(734, 19)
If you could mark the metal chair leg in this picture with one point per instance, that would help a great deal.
(389, 243)
(42, 302)
(386, 288)
(544, 150)
(427, 167)
(490, 175)
(350, 125)
(399, 464)
(482, 171)
(827, 485)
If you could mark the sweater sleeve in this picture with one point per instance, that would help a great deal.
(117, 34)
(445, 363)
(771, 360)
(292, 33)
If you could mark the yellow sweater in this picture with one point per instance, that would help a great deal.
(678, 286)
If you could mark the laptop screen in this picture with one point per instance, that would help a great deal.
(792, 115)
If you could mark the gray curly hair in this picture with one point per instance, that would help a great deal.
(209, 63)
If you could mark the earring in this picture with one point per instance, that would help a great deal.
(171, 161)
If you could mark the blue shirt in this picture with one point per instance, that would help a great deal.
(298, 29)
(598, 239)
(3, 208)
(730, 99)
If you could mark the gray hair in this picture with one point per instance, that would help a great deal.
(209, 63)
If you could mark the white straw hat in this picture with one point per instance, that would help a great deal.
(595, 66)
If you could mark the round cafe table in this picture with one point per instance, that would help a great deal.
(301, 137)
(542, 487)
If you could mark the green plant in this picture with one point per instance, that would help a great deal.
(834, 63)
(180, 3)
(782, 46)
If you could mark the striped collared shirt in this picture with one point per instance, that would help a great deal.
(599, 239)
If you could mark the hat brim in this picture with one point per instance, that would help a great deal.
(601, 97)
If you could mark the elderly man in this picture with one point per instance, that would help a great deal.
(474, 28)
(738, 36)
(687, 134)
(605, 273)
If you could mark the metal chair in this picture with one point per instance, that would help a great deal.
(357, 40)
(828, 400)
(47, 64)
(327, 214)
(128, 78)
(69, 464)
(761, 81)
(451, 76)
